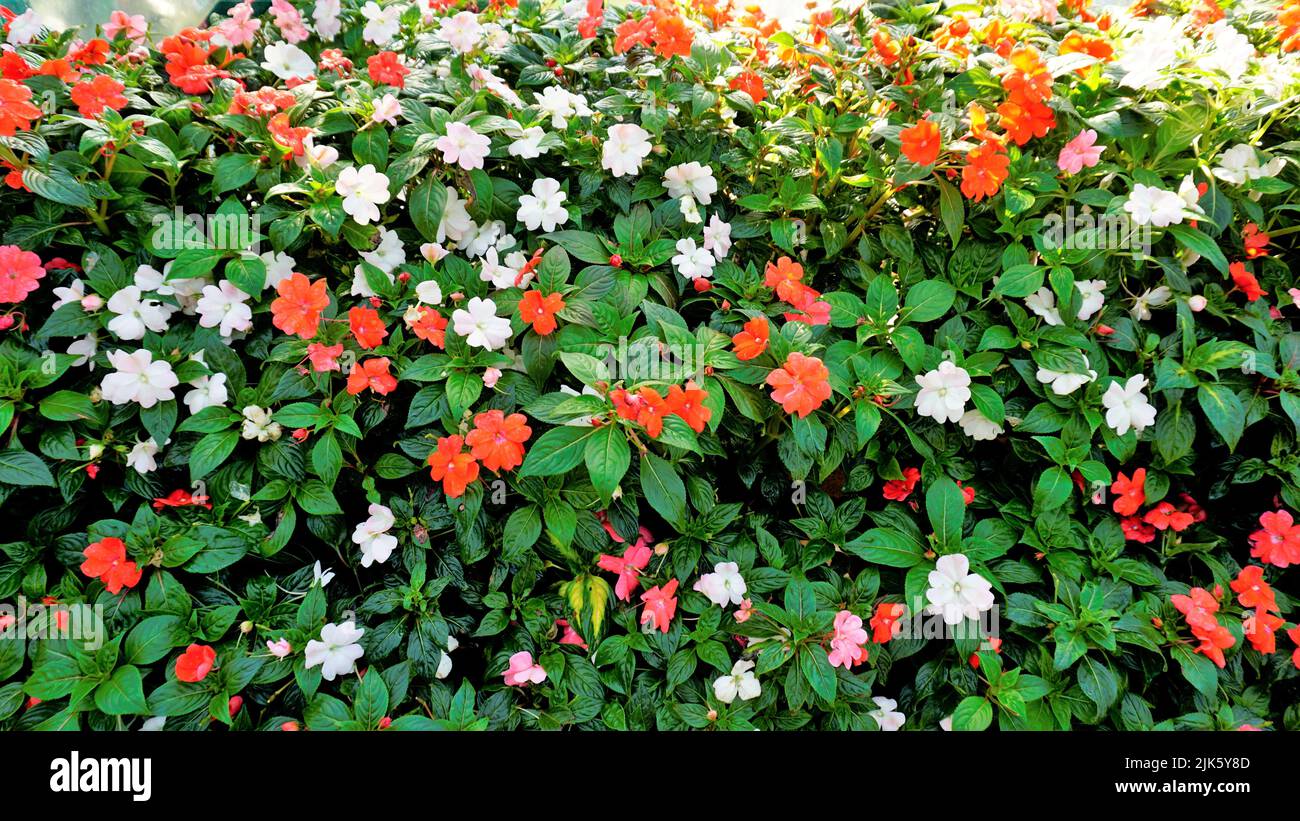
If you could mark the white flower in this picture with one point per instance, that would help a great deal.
(717, 237)
(363, 190)
(1064, 384)
(691, 179)
(482, 237)
(724, 585)
(444, 663)
(279, 267)
(1127, 407)
(321, 156)
(625, 148)
(978, 426)
(479, 324)
(288, 62)
(1189, 194)
(1093, 298)
(501, 275)
(325, 16)
(461, 31)
(135, 315)
(258, 425)
(137, 378)
(944, 392)
(225, 307)
(561, 104)
(433, 251)
(1241, 163)
(1043, 303)
(1226, 49)
(429, 292)
(742, 682)
(382, 24)
(1151, 298)
(692, 262)
(142, 456)
(84, 349)
(463, 146)
(528, 143)
(25, 28)
(455, 221)
(209, 391)
(1148, 205)
(373, 536)
(955, 591)
(321, 577)
(690, 211)
(544, 207)
(887, 716)
(337, 651)
(1144, 58)
(73, 292)
(945, 724)
(388, 254)
(481, 77)
(154, 724)
(386, 110)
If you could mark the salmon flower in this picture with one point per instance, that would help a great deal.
(498, 440)
(645, 407)
(367, 328)
(106, 560)
(752, 341)
(195, 663)
(372, 374)
(297, 309)
(785, 276)
(452, 466)
(93, 96)
(688, 403)
(324, 357)
(1277, 542)
(1130, 494)
(540, 310)
(19, 272)
(921, 143)
(628, 567)
(16, 112)
(801, 384)
(660, 605)
(984, 172)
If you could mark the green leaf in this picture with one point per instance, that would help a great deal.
(608, 457)
(946, 508)
(1224, 410)
(559, 450)
(886, 547)
(818, 672)
(425, 206)
(371, 703)
(1098, 683)
(232, 171)
(18, 467)
(314, 497)
(1052, 489)
(927, 300)
(1196, 241)
(1019, 281)
(663, 489)
(123, 693)
(209, 452)
(973, 713)
(67, 406)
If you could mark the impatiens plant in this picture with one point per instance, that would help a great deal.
(527, 364)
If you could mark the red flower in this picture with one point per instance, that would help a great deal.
(386, 68)
(1294, 635)
(264, 102)
(16, 113)
(1136, 531)
(498, 440)
(19, 272)
(324, 357)
(195, 663)
(284, 134)
(181, 498)
(921, 142)
(452, 466)
(1278, 540)
(689, 405)
(93, 96)
(367, 328)
(645, 407)
(1199, 609)
(1165, 516)
(752, 341)
(93, 53)
(106, 560)
(1256, 241)
(750, 83)
(1246, 281)
(1129, 492)
(1261, 629)
(899, 489)
(297, 310)
(660, 605)
(801, 385)
(372, 374)
(541, 310)
(882, 623)
(1251, 589)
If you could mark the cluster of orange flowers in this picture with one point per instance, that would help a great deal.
(497, 442)
(663, 28)
(1199, 609)
(785, 276)
(187, 61)
(648, 408)
(1288, 23)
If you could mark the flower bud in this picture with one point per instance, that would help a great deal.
(1197, 303)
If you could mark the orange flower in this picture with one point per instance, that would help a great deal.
(801, 384)
(786, 276)
(633, 32)
(1130, 493)
(809, 308)
(1024, 119)
(750, 83)
(324, 357)
(1076, 43)
(921, 142)
(1246, 281)
(541, 310)
(287, 135)
(195, 663)
(1256, 241)
(882, 623)
(689, 405)
(985, 171)
(427, 324)
(106, 560)
(498, 440)
(752, 341)
(367, 328)
(645, 407)
(1251, 589)
(1165, 516)
(93, 96)
(453, 467)
(16, 113)
(672, 36)
(373, 374)
(297, 310)
(93, 53)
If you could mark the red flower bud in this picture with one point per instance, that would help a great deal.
(235, 703)
(615, 260)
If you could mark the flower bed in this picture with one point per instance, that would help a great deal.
(539, 365)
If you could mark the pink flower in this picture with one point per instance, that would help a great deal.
(240, 27)
(743, 613)
(846, 644)
(134, 26)
(289, 20)
(660, 605)
(629, 566)
(1080, 152)
(570, 635)
(490, 377)
(19, 272)
(522, 671)
(280, 648)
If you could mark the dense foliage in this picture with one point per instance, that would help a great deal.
(648, 366)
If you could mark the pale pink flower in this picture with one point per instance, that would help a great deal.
(490, 377)
(846, 644)
(134, 26)
(522, 671)
(1080, 153)
(280, 648)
